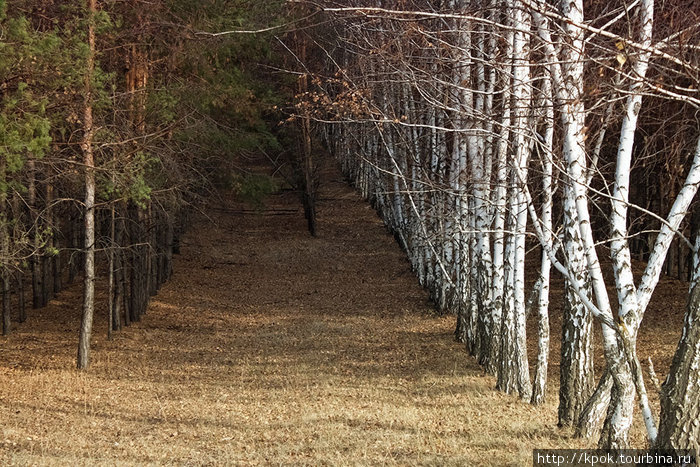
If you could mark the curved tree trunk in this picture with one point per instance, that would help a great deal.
(590, 421)
(618, 421)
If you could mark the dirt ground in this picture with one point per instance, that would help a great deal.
(269, 347)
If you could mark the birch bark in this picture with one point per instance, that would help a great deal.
(514, 373)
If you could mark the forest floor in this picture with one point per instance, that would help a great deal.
(269, 347)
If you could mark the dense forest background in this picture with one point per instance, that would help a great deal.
(116, 117)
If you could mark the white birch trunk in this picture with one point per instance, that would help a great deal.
(514, 373)
(622, 406)
(539, 389)
(480, 169)
(499, 202)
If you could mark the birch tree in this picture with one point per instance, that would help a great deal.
(514, 373)
(680, 404)
(620, 348)
(545, 149)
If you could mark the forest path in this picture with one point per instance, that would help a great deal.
(268, 347)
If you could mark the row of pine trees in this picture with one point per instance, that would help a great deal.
(115, 116)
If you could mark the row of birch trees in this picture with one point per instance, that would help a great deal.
(485, 130)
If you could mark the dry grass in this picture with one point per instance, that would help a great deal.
(267, 348)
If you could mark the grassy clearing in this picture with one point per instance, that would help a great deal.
(292, 394)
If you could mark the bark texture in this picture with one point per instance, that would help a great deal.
(680, 396)
(89, 161)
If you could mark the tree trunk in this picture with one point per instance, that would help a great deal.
(514, 372)
(89, 161)
(119, 279)
(75, 244)
(615, 434)
(37, 276)
(56, 257)
(169, 246)
(590, 420)
(57, 265)
(20, 295)
(136, 270)
(545, 149)
(139, 263)
(4, 256)
(118, 297)
(152, 251)
(679, 426)
(19, 274)
(576, 375)
(111, 281)
(307, 163)
(5, 284)
(47, 265)
(499, 203)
